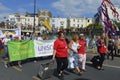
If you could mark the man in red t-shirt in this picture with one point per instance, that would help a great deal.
(60, 53)
(82, 51)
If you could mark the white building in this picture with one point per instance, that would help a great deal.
(22, 20)
(79, 22)
(28, 20)
(58, 23)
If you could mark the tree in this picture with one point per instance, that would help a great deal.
(95, 26)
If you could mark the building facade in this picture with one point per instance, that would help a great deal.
(79, 22)
(22, 20)
(27, 20)
(58, 23)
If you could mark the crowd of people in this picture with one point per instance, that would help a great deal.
(69, 53)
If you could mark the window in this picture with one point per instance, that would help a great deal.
(88, 20)
(74, 20)
(53, 20)
(53, 25)
(18, 19)
(61, 23)
(73, 25)
(78, 20)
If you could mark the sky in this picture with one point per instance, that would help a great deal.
(61, 8)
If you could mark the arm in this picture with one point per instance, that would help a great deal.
(54, 53)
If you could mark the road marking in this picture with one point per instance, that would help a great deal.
(111, 66)
(4, 61)
(36, 78)
(16, 68)
(106, 65)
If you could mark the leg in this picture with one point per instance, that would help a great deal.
(5, 51)
(102, 59)
(59, 64)
(65, 64)
(84, 62)
(76, 59)
(112, 55)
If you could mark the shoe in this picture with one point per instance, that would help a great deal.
(6, 65)
(19, 65)
(60, 76)
(35, 61)
(79, 73)
(83, 70)
(101, 68)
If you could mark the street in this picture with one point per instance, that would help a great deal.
(29, 71)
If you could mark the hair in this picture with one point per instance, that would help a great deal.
(75, 37)
(59, 33)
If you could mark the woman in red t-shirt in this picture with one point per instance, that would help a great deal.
(60, 53)
(82, 51)
(103, 51)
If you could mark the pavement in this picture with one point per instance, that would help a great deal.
(29, 70)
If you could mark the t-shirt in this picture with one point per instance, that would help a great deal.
(82, 49)
(61, 48)
(5, 41)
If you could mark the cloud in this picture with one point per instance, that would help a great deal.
(4, 8)
(4, 12)
(21, 10)
(78, 8)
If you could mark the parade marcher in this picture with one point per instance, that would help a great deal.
(5, 42)
(73, 51)
(60, 53)
(103, 51)
(110, 49)
(98, 43)
(39, 37)
(116, 44)
(0, 45)
(82, 51)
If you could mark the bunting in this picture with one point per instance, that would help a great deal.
(103, 16)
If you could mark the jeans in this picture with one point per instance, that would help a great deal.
(5, 51)
(76, 59)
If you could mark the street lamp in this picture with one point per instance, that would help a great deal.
(34, 15)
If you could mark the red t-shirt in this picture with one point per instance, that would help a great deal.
(82, 49)
(61, 48)
(103, 49)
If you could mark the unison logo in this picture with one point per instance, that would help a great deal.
(46, 47)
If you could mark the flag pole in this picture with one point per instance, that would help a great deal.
(34, 15)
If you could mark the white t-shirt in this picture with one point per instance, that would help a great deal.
(5, 41)
(75, 46)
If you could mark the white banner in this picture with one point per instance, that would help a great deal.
(43, 48)
(1, 34)
(14, 32)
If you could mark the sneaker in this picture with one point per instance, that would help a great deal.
(19, 65)
(6, 66)
(99, 68)
(60, 76)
